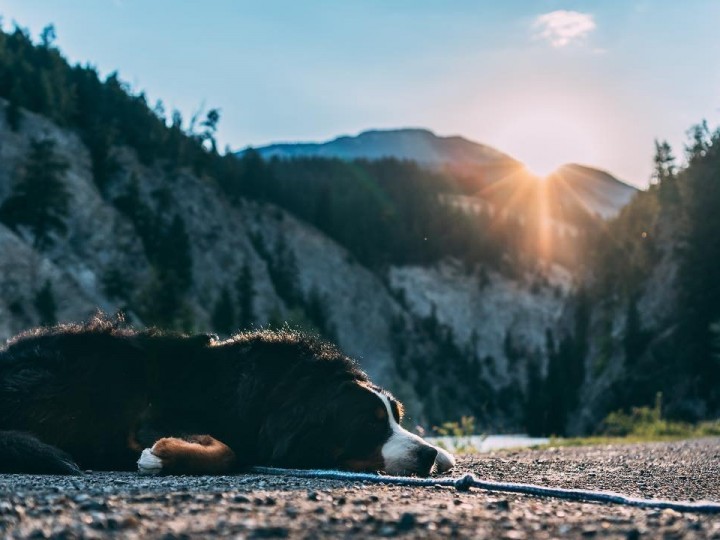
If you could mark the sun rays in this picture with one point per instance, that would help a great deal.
(544, 215)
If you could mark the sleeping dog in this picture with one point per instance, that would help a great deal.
(106, 397)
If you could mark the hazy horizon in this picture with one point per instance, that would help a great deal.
(546, 82)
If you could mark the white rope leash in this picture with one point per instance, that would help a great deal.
(464, 483)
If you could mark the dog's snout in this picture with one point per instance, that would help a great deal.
(426, 458)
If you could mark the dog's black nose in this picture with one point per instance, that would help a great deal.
(426, 458)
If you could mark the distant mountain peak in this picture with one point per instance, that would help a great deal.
(412, 143)
(589, 169)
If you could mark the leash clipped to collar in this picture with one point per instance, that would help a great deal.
(464, 483)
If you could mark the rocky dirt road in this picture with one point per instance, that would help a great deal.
(122, 505)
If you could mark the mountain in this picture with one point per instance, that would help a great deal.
(420, 145)
(601, 193)
(479, 168)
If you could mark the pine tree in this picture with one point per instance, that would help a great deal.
(664, 161)
(99, 138)
(317, 311)
(174, 256)
(284, 273)
(700, 141)
(45, 305)
(13, 114)
(48, 36)
(635, 339)
(117, 284)
(39, 200)
(162, 302)
(210, 125)
(557, 388)
(535, 402)
(245, 293)
(664, 174)
(223, 317)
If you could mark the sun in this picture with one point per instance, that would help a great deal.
(544, 146)
(545, 138)
(540, 170)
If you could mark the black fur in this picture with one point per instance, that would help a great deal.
(100, 393)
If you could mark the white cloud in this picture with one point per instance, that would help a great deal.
(562, 27)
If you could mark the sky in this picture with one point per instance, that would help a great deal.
(546, 81)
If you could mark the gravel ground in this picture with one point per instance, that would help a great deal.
(124, 505)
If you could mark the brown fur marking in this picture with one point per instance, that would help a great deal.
(199, 454)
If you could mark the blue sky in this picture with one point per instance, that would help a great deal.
(547, 81)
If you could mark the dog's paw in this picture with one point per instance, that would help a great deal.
(198, 454)
(149, 463)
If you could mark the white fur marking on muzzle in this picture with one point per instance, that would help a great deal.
(400, 451)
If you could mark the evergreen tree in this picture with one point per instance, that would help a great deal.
(210, 126)
(664, 174)
(245, 293)
(223, 316)
(700, 141)
(634, 339)
(162, 302)
(45, 305)
(174, 257)
(317, 311)
(13, 114)
(98, 139)
(557, 388)
(284, 273)
(512, 353)
(536, 407)
(131, 204)
(48, 36)
(39, 200)
(664, 161)
(117, 285)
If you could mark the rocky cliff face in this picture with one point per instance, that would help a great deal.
(504, 320)
(101, 239)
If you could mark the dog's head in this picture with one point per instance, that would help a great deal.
(374, 439)
(352, 425)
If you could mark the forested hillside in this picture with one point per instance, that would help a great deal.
(648, 311)
(107, 201)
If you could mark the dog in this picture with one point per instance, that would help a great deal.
(104, 396)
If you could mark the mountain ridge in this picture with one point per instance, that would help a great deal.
(364, 145)
(597, 190)
(289, 148)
